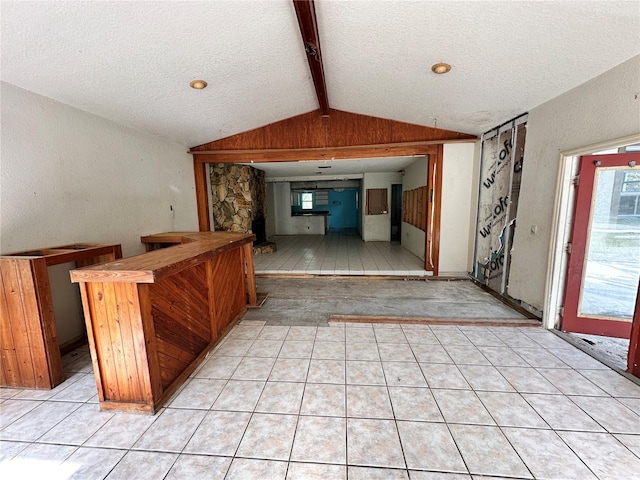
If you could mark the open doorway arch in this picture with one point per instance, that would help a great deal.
(337, 136)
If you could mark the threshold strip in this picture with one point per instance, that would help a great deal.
(486, 322)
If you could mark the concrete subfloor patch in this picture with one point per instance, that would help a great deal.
(310, 301)
(613, 350)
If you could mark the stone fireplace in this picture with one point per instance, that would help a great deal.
(239, 199)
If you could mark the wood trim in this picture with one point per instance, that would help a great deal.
(634, 344)
(306, 13)
(427, 237)
(84, 253)
(71, 345)
(437, 207)
(301, 155)
(88, 315)
(332, 153)
(202, 196)
(493, 322)
(280, 151)
(506, 300)
(150, 346)
(283, 155)
(429, 224)
(47, 322)
(346, 276)
(213, 301)
(247, 264)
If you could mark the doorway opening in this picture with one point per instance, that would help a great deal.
(396, 212)
(594, 276)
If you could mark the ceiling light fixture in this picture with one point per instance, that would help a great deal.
(198, 84)
(440, 68)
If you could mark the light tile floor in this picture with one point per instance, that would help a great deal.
(338, 254)
(349, 401)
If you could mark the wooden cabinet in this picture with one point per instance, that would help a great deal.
(29, 350)
(152, 318)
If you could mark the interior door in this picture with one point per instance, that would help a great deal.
(604, 258)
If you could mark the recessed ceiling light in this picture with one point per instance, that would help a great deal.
(440, 68)
(198, 84)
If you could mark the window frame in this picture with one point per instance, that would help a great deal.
(308, 202)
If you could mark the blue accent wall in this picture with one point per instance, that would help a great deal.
(343, 209)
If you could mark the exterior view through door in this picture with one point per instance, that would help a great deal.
(604, 250)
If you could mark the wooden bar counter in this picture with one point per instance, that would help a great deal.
(29, 349)
(167, 239)
(152, 318)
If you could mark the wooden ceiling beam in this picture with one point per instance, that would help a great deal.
(306, 13)
(308, 154)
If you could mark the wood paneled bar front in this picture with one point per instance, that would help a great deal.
(29, 349)
(167, 239)
(152, 318)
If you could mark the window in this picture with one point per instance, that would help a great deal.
(377, 201)
(306, 200)
(630, 194)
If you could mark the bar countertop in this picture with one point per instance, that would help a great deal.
(152, 266)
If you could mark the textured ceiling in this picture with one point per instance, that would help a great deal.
(132, 62)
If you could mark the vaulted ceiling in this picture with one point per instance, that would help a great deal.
(132, 62)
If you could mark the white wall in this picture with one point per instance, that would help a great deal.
(459, 192)
(473, 207)
(415, 175)
(281, 205)
(67, 305)
(285, 224)
(69, 176)
(377, 227)
(271, 210)
(605, 108)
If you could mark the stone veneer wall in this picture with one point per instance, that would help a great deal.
(239, 196)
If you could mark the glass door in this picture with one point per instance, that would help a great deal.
(604, 253)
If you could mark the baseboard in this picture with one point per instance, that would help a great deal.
(509, 302)
(72, 344)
